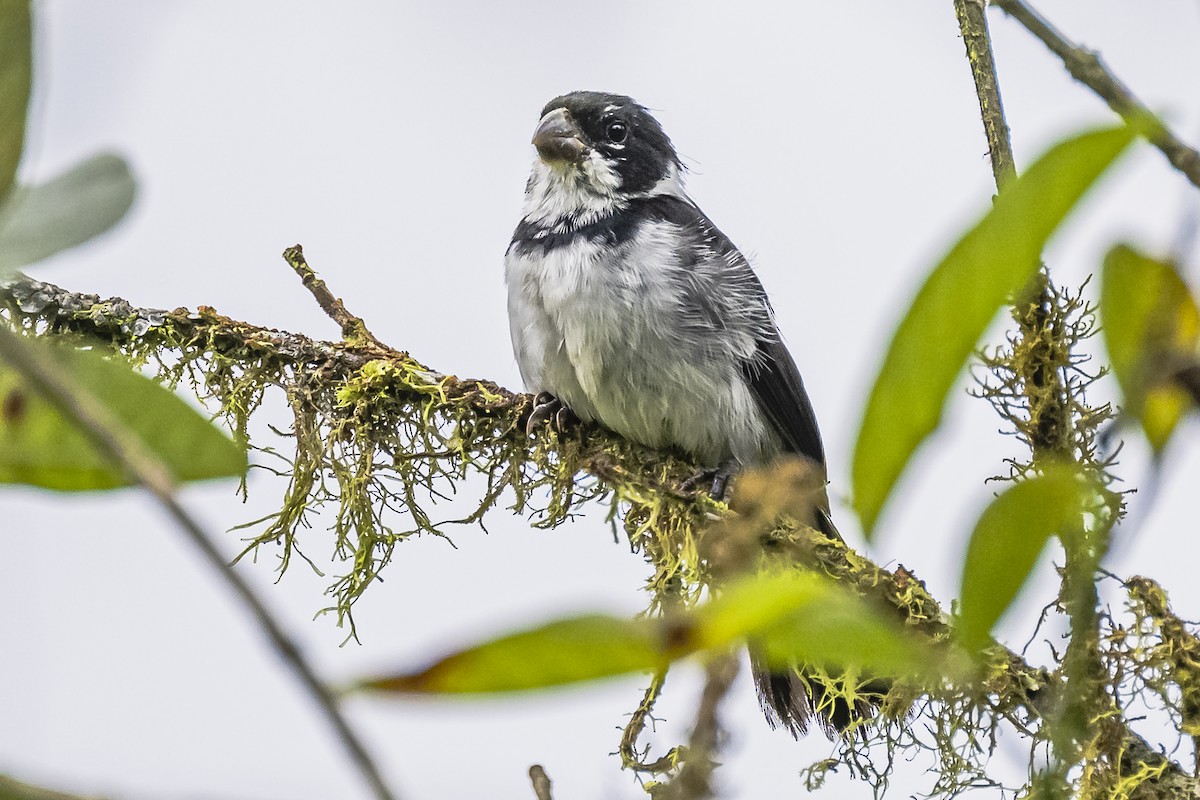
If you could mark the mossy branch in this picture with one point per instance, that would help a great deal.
(1042, 394)
(354, 330)
(378, 435)
(367, 415)
(972, 24)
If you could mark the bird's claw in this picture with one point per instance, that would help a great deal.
(720, 477)
(549, 409)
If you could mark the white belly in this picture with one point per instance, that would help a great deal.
(608, 339)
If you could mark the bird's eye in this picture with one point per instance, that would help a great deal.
(616, 132)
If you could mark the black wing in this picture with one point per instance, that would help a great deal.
(776, 383)
(770, 372)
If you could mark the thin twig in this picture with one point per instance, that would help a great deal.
(694, 781)
(541, 782)
(1021, 688)
(141, 465)
(1086, 67)
(972, 21)
(354, 330)
(630, 757)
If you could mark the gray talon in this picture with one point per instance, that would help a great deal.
(549, 409)
(720, 477)
(564, 419)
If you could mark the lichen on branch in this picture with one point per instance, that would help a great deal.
(377, 437)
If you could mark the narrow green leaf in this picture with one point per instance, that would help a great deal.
(790, 617)
(15, 70)
(801, 617)
(39, 446)
(982, 272)
(1151, 328)
(564, 651)
(38, 221)
(1004, 548)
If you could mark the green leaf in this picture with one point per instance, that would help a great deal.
(15, 71)
(981, 273)
(1004, 548)
(790, 617)
(801, 617)
(560, 652)
(41, 447)
(38, 221)
(1151, 328)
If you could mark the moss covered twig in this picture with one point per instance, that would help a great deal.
(694, 781)
(1177, 647)
(1042, 394)
(632, 756)
(360, 414)
(972, 24)
(1086, 67)
(379, 436)
(354, 330)
(139, 463)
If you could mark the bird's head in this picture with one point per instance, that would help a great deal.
(596, 151)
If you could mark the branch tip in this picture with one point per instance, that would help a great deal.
(541, 782)
(354, 330)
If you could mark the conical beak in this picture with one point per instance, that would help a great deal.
(558, 138)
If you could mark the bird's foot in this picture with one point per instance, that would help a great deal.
(720, 478)
(549, 409)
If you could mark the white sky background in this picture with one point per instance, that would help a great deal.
(837, 143)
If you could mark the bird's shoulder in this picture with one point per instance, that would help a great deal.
(671, 213)
(732, 295)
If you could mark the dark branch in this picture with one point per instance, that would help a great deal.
(1086, 67)
(973, 23)
(354, 330)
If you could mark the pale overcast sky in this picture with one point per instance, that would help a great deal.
(837, 143)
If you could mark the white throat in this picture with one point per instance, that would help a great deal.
(563, 198)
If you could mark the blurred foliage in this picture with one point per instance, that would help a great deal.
(41, 445)
(40, 441)
(1151, 330)
(12, 789)
(16, 70)
(1005, 544)
(791, 617)
(36, 222)
(982, 272)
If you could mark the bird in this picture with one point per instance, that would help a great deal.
(629, 308)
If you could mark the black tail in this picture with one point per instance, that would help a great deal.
(796, 698)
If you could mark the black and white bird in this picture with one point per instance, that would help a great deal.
(629, 308)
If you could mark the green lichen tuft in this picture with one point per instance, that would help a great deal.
(377, 440)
